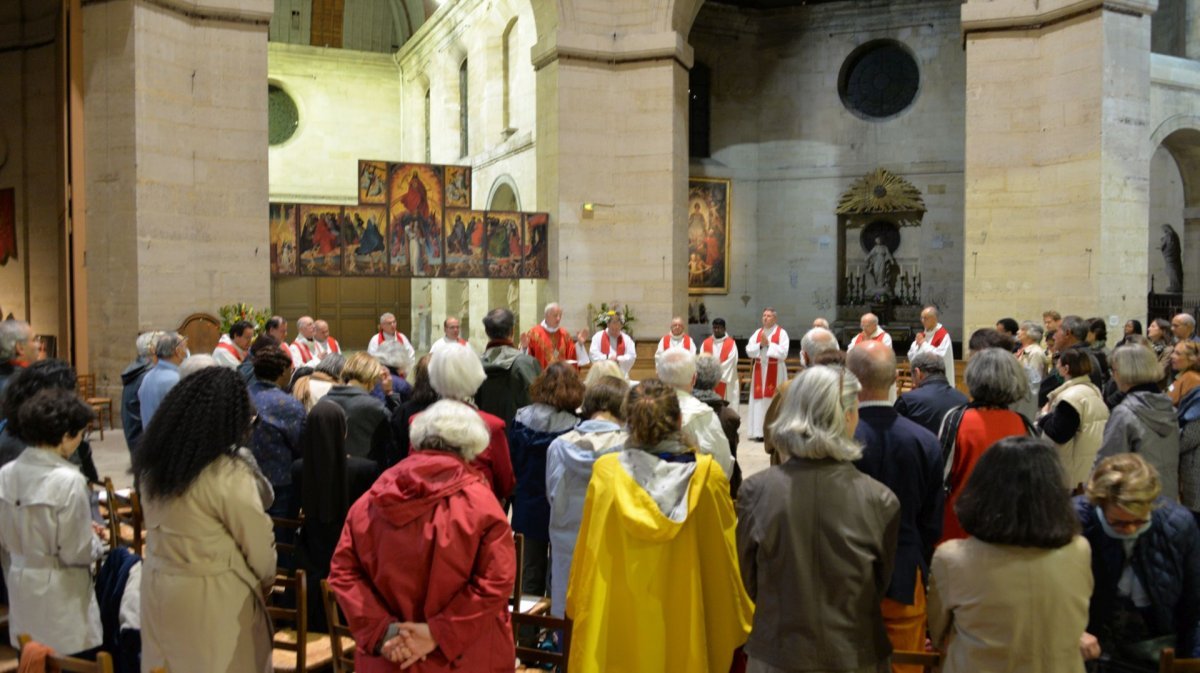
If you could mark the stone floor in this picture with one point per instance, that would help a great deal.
(112, 457)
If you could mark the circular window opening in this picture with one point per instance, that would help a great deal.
(282, 114)
(879, 80)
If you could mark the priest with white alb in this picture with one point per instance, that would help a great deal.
(768, 347)
(721, 346)
(388, 332)
(677, 338)
(611, 343)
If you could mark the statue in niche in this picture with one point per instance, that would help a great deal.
(1172, 253)
(880, 267)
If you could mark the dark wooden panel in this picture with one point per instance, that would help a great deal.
(351, 306)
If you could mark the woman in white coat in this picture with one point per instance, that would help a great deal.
(210, 549)
(46, 528)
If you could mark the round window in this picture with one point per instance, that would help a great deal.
(282, 115)
(879, 80)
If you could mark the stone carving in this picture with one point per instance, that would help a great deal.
(1172, 253)
(880, 267)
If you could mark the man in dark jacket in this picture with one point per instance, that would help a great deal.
(1071, 334)
(509, 371)
(131, 380)
(927, 403)
(906, 458)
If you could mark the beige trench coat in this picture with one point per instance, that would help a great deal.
(209, 553)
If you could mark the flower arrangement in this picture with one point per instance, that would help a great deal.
(231, 313)
(606, 310)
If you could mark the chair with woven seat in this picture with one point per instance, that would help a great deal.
(102, 664)
(1167, 663)
(86, 383)
(340, 637)
(124, 513)
(295, 649)
(928, 661)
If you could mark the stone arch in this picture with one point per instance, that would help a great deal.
(504, 194)
(1175, 200)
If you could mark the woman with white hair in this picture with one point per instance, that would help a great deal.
(816, 538)
(1144, 422)
(455, 373)
(446, 604)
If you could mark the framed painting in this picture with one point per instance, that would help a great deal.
(503, 241)
(372, 182)
(536, 246)
(320, 240)
(364, 241)
(416, 200)
(708, 230)
(283, 240)
(458, 186)
(464, 243)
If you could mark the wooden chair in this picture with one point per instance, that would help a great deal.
(341, 638)
(86, 383)
(928, 661)
(1167, 663)
(904, 379)
(102, 664)
(295, 649)
(286, 551)
(532, 655)
(124, 513)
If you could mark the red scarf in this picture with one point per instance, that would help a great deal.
(232, 350)
(304, 352)
(333, 345)
(546, 352)
(726, 348)
(666, 342)
(604, 344)
(938, 337)
(766, 389)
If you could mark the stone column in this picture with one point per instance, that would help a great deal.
(1057, 163)
(176, 142)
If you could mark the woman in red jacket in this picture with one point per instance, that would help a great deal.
(426, 562)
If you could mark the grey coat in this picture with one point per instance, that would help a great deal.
(1145, 423)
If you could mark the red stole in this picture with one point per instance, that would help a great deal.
(666, 342)
(550, 352)
(305, 354)
(939, 336)
(766, 389)
(462, 342)
(726, 348)
(232, 350)
(333, 345)
(604, 347)
(858, 339)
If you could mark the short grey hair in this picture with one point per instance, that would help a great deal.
(456, 373)
(1075, 326)
(393, 354)
(1187, 319)
(166, 345)
(13, 332)
(676, 367)
(708, 371)
(145, 344)
(550, 307)
(332, 364)
(931, 364)
(996, 378)
(1034, 330)
(385, 316)
(812, 418)
(194, 363)
(452, 426)
(1134, 365)
(817, 341)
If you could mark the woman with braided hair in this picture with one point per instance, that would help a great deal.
(209, 547)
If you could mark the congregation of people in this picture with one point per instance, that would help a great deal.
(1042, 519)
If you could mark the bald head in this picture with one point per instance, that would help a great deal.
(869, 322)
(821, 322)
(875, 366)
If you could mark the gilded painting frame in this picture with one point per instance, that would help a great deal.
(709, 205)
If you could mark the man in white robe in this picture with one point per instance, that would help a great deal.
(231, 349)
(722, 347)
(871, 331)
(323, 344)
(676, 338)
(304, 348)
(451, 329)
(768, 347)
(389, 333)
(611, 343)
(934, 339)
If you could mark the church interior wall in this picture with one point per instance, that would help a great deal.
(1174, 108)
(782, 134)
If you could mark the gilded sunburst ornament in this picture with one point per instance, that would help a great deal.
(882, 191)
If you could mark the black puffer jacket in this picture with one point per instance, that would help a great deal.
(1167, 560)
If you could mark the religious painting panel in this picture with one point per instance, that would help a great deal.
(8, 225)
(364, 241)
(458, 186)
(708, 228)
(416, 200)
(537, 247)
(283, 240)
(372, 182)
(320, 240)
(464, 243)
(503, 241)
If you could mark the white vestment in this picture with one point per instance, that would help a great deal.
(625, 361)
(682, 341)
(762, 358)
(944, 349)
(729, 369)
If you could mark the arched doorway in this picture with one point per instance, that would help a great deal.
(1175, 220)
(503, 195)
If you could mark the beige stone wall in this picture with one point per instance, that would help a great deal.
(1175, 173)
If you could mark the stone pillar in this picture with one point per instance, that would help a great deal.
(612, 130)
(531, 301)
(1057, 163)
(441, 305)
(176, 142)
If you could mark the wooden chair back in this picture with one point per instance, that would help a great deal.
(533, 655)
(515, 601)
(285, 545)
(928, 661)
(202, 330)
(124, 515)
(290, 586)
(102, 664)
(339, 632)
(1167, 663)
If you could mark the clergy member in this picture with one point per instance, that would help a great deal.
(611, 343)
(388, 333)
(677, 338)
(304, 348)
(323, 344)
(934, 339)
(450, 328)
(548, 342)
(231, 349)
(722, 347)
(768, 347)
(870, 332)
